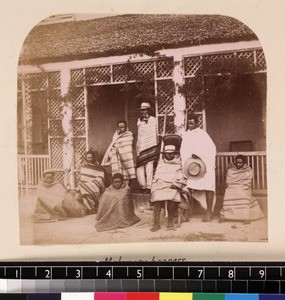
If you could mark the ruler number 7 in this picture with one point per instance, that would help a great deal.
(200, 273)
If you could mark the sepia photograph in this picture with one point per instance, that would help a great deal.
(142, 128)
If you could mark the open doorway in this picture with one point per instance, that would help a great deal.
(106, 106)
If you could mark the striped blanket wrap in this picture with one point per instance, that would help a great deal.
(92, 181)
(239, 204)
(167, 175)
(147, 148)
(120, 155)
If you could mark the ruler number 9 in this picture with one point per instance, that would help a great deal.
(261, 273)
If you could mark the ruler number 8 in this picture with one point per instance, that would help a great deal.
(261, 273)
(231, 274)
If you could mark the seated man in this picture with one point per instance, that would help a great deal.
(54, 202)
(238, 203)
(116, 208)
(169, 184)
(92, 181)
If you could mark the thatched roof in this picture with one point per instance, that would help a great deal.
(126, 34)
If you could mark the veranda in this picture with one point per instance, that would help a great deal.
(60, 93)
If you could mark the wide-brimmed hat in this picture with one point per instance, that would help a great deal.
(145, 105)
(194, 168)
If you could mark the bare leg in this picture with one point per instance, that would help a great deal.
(209, 199)
(156, 216)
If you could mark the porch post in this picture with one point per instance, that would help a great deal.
(28, 118)
(178, 99)
(68, 152)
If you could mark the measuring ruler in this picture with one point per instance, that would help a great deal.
(198, 277)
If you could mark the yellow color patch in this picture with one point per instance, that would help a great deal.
(175, 296)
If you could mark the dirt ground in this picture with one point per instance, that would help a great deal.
(82, 230)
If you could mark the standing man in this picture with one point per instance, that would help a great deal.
(147, 151)
(120, 153)
(196, 143)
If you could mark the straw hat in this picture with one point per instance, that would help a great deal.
(145, 105)
(194, 168)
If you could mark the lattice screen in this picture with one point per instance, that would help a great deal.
(78, 104)
(119, 73)
(194, 96)
(260, 61)
(140, 70)
(165, 92)
(100, 74)
(79, 127)
(164, 67)
(170, 127)
(79, 145)
(56, 152)
(77, 77)
(225, 63)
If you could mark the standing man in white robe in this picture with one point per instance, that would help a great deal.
(197, 143)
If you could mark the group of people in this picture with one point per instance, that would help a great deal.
(182, 172)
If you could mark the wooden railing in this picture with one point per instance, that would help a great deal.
(256, 160)
(31, 168)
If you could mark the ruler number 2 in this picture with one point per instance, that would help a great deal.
(47, 272)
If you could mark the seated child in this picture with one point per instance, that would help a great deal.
(116, 208)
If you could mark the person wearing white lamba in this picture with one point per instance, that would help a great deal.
(196, 143)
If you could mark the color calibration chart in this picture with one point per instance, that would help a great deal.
(142, 280)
